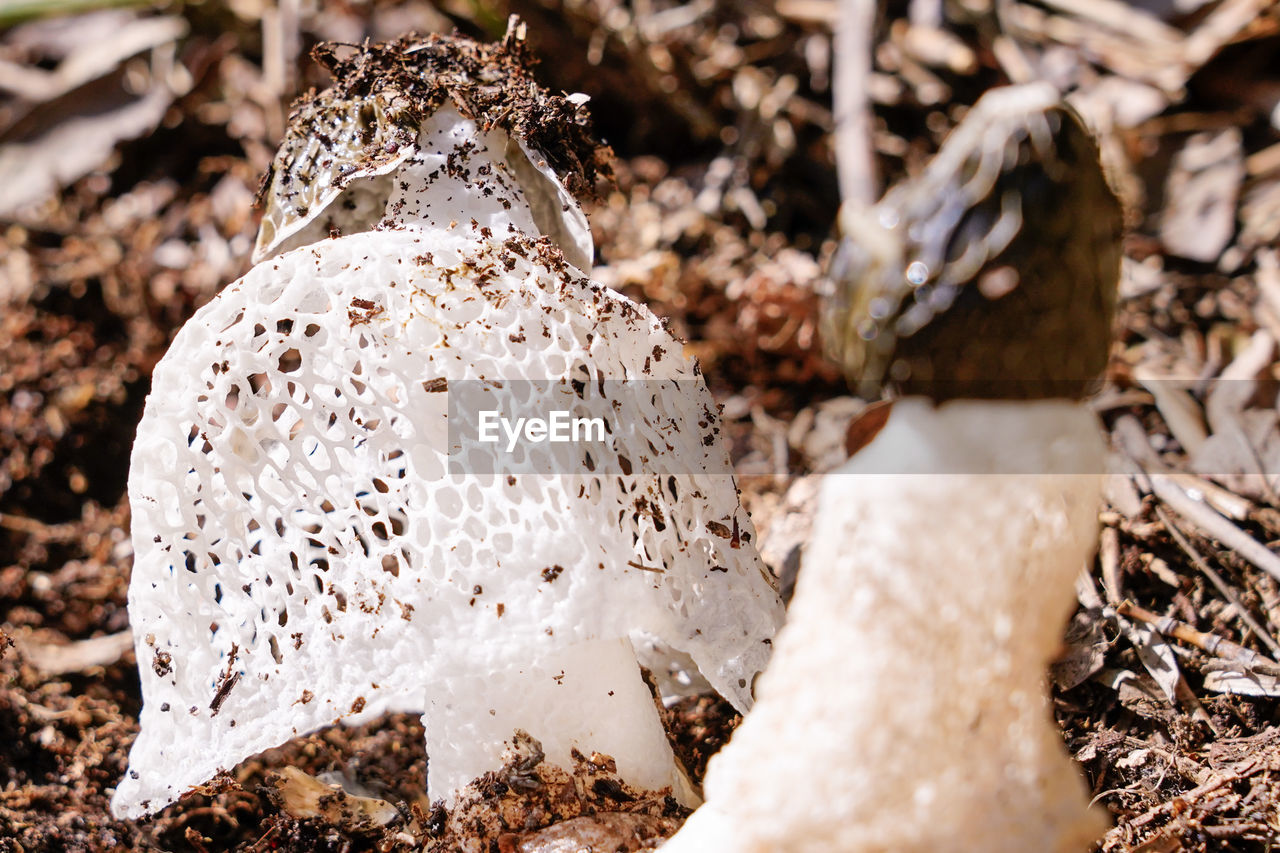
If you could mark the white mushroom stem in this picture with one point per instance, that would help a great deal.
(590, 697)
(905, 707)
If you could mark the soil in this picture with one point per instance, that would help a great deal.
(720, 216)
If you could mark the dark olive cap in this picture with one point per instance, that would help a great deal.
(993, 274)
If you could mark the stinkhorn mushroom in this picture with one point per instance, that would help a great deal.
(319, 539)
(905, 708)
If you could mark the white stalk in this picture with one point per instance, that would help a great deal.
(905, 707)
(590, 697)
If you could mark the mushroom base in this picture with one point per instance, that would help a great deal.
(590, 696)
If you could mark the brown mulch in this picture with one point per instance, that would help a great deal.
(720, 218)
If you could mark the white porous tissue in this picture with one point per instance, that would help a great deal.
(457, 172)
(306, 555)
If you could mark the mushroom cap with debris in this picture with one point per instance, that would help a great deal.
(334, 169)
(308, 550)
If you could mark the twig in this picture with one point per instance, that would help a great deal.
(1179, 803)
(1180, 411)
(39, 529)
(1215, 525)
(855, 159)
(1216, 579)
(1120, 17)
(281, 43)
(270, 833)
(1109, 557)
(1219, 27)
(1132, 439)
(1211, 643)
(77, 656)
(1261, 164)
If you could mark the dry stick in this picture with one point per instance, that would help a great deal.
(1239, 771)
(855, 156)
(1109, 557)
(281, 44)
(1120, 17)
(1132, 440)
(1216, 525)
(1216, 579)
(1131, 437)
(270, 833)
(79, 655)
(1219, 27)
(1211, 643)
(34, 527)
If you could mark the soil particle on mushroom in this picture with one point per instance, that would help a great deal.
(383, 92)
(531, 806)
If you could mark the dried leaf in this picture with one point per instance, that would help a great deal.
(1200, 218)
(1137, 758)
(1234, 453)
(306, 796)
(864, 428)
(1134, 691)
(612, 831)
(34, 168)
(1242, 682)
(1158, 658)
(1086, 652)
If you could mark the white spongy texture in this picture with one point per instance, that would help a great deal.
(460, 171)
(303, 554)
(456, 171)
(905, 708)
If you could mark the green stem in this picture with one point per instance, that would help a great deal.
(491, 22)
(19, 11)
